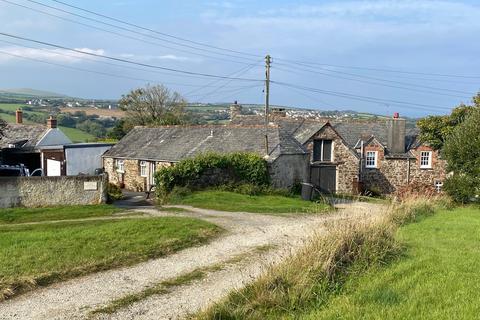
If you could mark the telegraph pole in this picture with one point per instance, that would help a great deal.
(268, 61)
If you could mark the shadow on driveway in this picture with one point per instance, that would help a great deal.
(134, 200)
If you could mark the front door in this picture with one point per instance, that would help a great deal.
(151, 174)
(324, 178)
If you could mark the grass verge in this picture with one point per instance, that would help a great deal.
(24, 215)
(309, 279)
(235, 202)
(38, 255)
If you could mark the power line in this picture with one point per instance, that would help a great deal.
(155, 31)
(127, 36)
(52, 51)
(132, 31)
(378, 79)
(99, 72)
(307, 63)
(125, 60)
(362, 98)
(374, 83)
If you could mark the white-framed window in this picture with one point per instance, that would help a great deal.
(143, 168)
(323, 150)
(120, 165)
(438, 186)
(371, 159)
(426, 159)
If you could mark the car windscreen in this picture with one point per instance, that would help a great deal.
(4, 172)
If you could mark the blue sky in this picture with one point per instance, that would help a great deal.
(430, 37)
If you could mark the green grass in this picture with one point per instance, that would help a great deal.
(436, 279)
(77, 135)
(22, 215)
(37, 255)
(235, 202)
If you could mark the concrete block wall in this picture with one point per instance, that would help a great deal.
(52, 191)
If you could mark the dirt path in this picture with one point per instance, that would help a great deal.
(76, 298)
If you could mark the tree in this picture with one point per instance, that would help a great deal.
(118, 131)
(462, 152)
(153, 105)
(435, 130)
(3, 126)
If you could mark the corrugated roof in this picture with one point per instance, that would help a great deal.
(174, 143)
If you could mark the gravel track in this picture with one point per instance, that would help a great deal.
(74, 299)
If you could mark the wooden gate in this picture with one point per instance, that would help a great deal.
(324, 178)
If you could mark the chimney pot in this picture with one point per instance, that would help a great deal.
(396, 115)
(19, 116)
(51, 122)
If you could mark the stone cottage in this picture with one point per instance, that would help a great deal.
(380, 156)
(133, 161)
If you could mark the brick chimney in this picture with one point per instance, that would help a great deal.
(396, 134)
(51, 122)
(235, 110)
(19, 116)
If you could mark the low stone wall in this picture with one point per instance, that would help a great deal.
(52, 191)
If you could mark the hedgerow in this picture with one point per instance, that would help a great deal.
(239, 167)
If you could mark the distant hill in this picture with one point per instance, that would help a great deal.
(27, 92)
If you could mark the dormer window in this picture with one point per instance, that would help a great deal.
(323, 150)
(426, 160)
(371, 159)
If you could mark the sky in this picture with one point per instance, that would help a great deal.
(385, 56)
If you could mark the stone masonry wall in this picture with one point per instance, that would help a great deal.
(52, 191)
(344, 158)
(393, 174)
(131, 178)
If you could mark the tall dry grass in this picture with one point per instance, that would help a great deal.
(308, 278)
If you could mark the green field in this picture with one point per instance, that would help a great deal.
(34, 255)
(436, 279)
(235, 202)
(74, 134)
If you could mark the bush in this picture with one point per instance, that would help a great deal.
(210, 170)
(114, 193)
(462, 188)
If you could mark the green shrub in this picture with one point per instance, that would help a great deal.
(236, 168)
(462, 188)
(114, 192)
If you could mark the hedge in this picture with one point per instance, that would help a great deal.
(247, 168)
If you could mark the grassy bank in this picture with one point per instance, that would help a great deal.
(23, 215)
(307, 282)
(436, 279)
(37, 255)
(236, 202)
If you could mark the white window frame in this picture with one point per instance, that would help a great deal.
(143, 168)
(375, 159)
(331, 151)
(438, 186)
(120, 165)
(426, 155)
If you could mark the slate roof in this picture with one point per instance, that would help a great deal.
(174, 143)
(351, 131)
(15, 133)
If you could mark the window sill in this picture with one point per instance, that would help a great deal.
(425, 168)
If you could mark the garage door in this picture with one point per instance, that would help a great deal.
(324, 178)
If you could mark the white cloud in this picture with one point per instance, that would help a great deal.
(49, 55)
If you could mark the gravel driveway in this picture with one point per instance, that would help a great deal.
(75, 299)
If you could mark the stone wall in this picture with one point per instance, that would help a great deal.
(345, 160)
(130, 178)
(52, 191)
(393, 174)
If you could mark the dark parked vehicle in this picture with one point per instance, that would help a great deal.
(14, 171)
